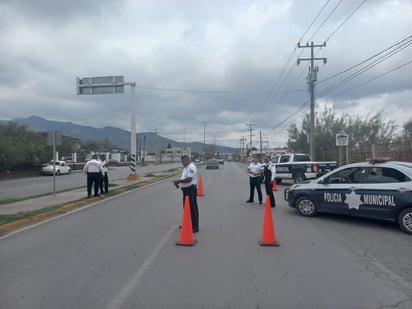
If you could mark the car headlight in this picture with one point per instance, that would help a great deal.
(293, 187)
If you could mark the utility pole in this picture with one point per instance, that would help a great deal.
(312, 77)
(242, 148)
(204, 141)
(250, 125)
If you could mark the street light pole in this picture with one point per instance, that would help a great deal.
(204, 141)
(133, 131)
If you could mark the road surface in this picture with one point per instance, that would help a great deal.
(121, 253)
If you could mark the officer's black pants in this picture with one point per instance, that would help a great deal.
(191, 192)
(268, 187)
(104, 184)
(93, 178)
(255, 182)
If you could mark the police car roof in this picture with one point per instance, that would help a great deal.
(405, 167)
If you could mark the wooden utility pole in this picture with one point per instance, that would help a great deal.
(312, 77)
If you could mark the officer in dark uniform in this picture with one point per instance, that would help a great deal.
(269, 172)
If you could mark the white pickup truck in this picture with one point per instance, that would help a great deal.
(299, 167)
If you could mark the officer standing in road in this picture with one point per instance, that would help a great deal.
(93, 169)
(255, 170)
(188, 184)
(104, 184)
(269, 172)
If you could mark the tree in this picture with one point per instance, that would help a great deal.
(406, 134)
(20, 148)
(361, 130)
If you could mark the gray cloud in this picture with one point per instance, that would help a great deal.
(225, 63)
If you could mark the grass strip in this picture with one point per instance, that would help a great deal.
(11, 221)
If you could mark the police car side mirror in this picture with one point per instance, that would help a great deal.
(323, 181)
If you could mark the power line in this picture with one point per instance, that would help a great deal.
(304, 105)
(330, 14)
(321, 10)
(366, 68)
(210, 91)
(347, 18)
(274, 91)
(368, 59)
(374, 78)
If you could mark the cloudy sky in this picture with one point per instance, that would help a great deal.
(219, 70)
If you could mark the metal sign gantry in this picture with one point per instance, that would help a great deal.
(113, 85)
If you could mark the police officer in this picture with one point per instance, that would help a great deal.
(269, 172)
(255, 170)
(104, 184)
(188, 184)
(93, 169)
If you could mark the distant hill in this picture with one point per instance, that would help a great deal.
(118, 137)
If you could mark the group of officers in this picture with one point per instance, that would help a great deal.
(258, 173)
(96, 171)
(261, 173)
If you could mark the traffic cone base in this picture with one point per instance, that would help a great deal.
(194, 242)
(186, 233)
(268, 231)
(275, 244)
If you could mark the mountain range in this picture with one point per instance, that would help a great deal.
(152, 142)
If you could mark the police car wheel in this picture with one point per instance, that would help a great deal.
(405, 220)
(306, 207)
(299, 177)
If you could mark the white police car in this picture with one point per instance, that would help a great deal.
(378, 189)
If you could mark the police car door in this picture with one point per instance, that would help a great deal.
(339, 190)
(380, 193)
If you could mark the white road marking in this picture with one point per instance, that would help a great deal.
(130, 287)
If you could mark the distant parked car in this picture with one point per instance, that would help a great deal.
(60, 167)
(212, 163)
(220, 161)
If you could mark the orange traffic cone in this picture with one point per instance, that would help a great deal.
(186, 233)
(274, 185)
(268, 232)
(200, 186)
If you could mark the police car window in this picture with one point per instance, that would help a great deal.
(275, 159)
(284, 159)
(348, 175)
(301, 158)
(384, 175)
(394, 174)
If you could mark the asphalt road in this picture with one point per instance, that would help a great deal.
(26, 187)
(121, 253)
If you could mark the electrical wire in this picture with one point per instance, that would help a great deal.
(367, 68)
(374, 78)
(330, 14)
(366, 60)
(344, 22)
